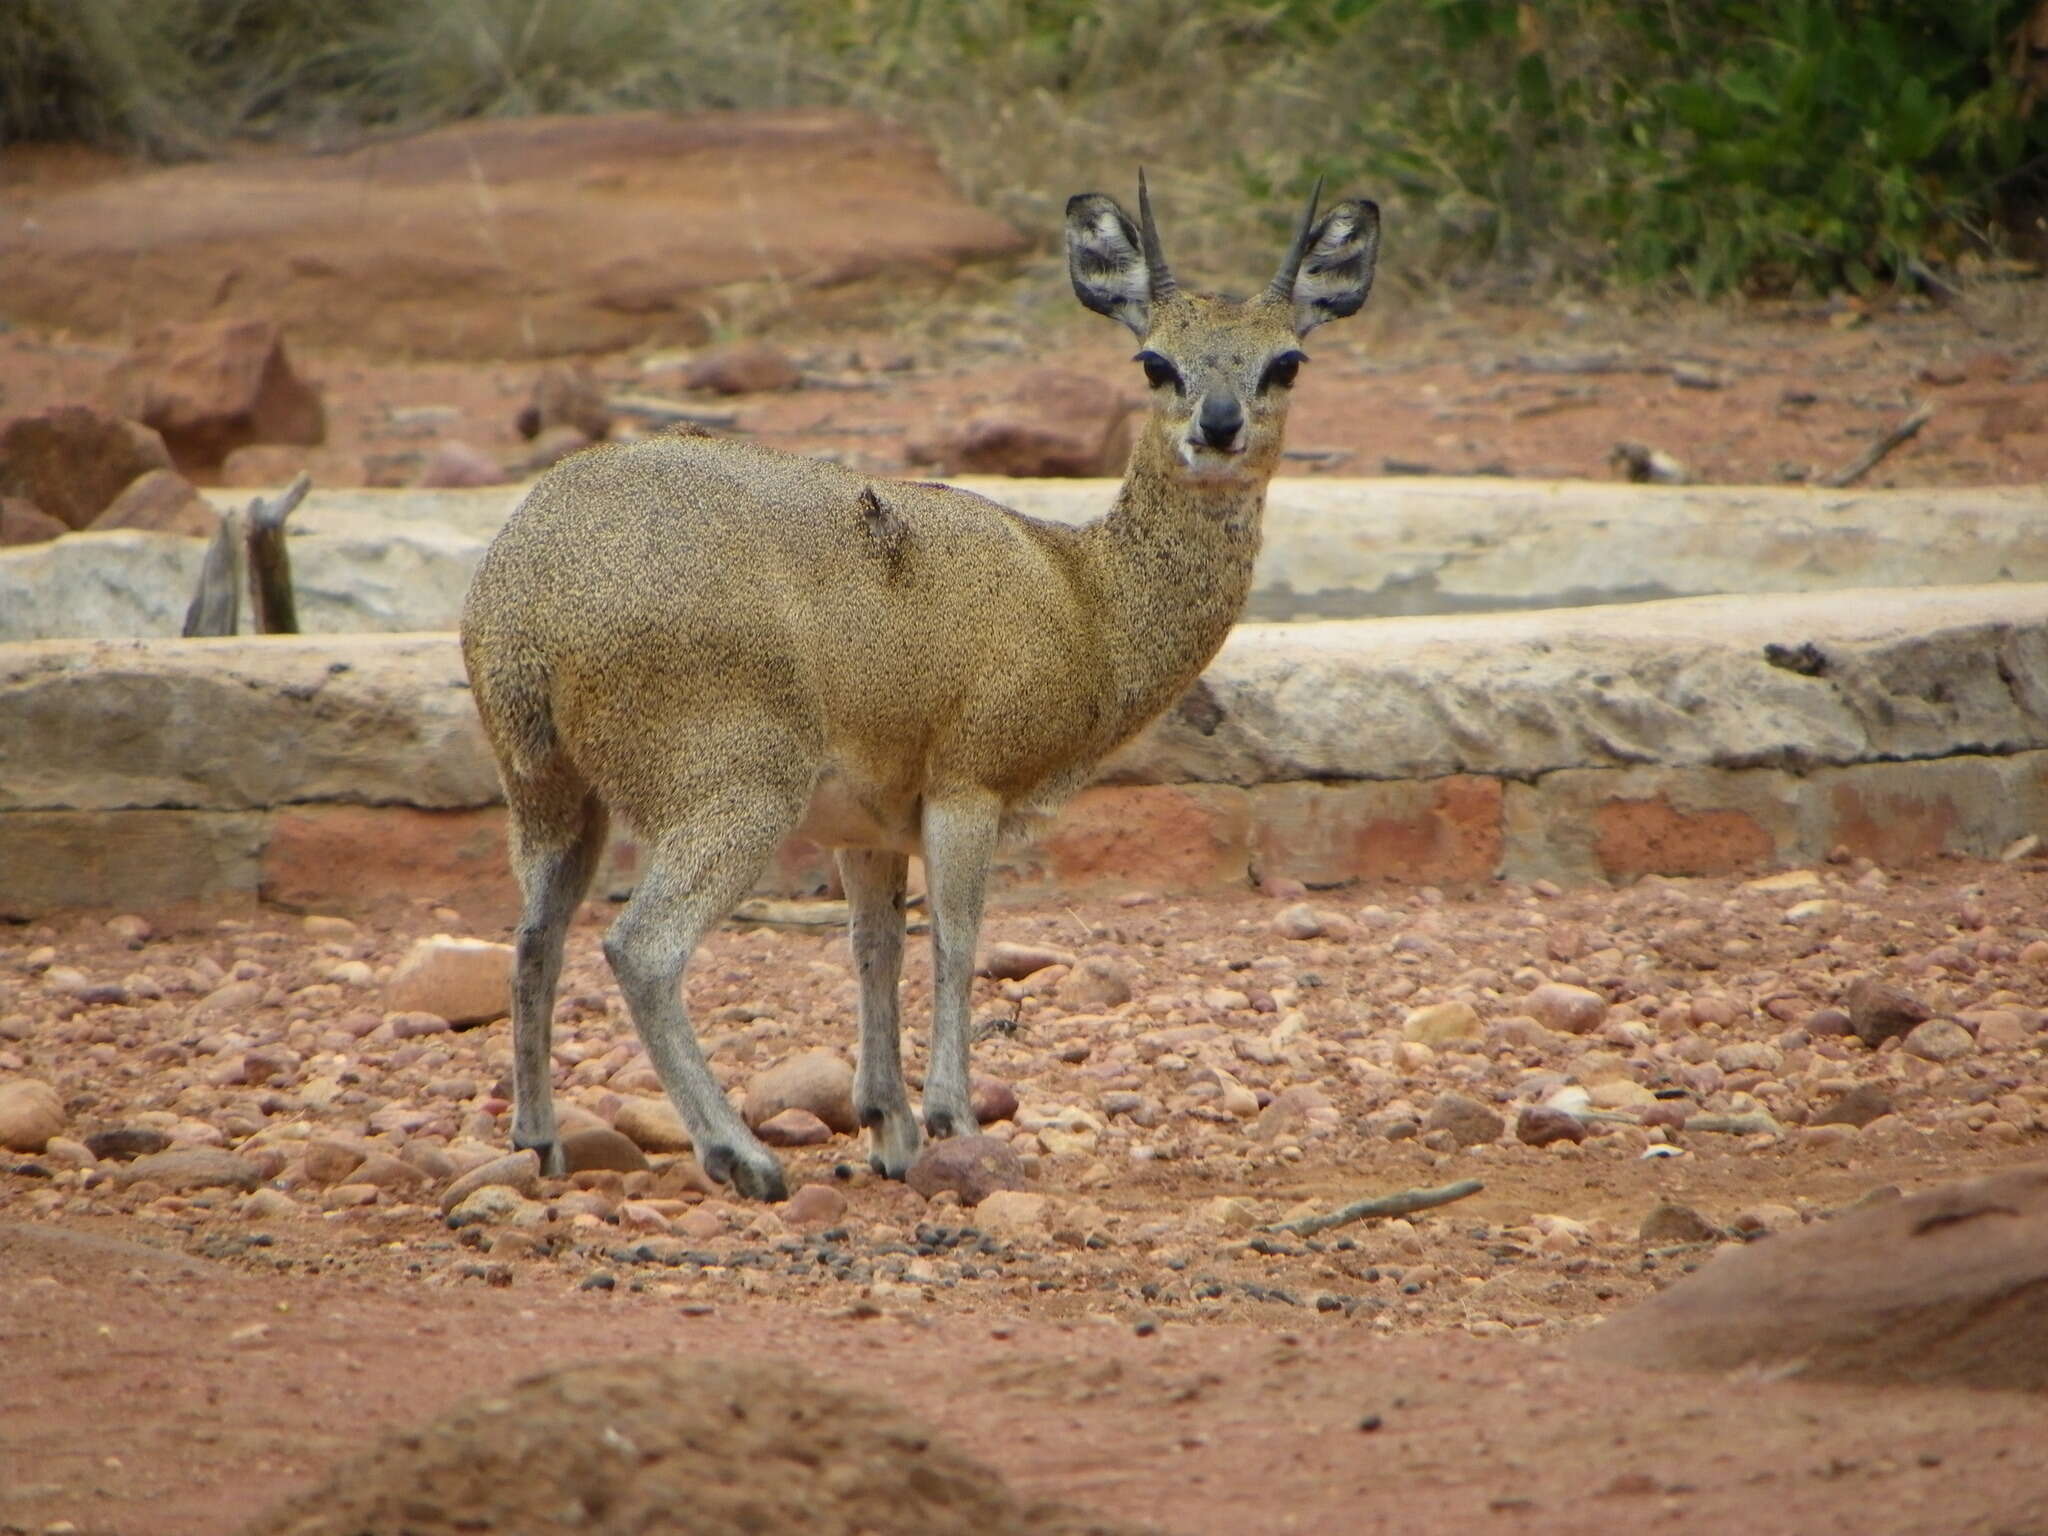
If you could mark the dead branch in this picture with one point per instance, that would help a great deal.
(667, 413)
(1756, 1123)
(1872, 456)
(216, 607)
(1401, 1203)
(272, 607)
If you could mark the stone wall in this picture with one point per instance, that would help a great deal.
(1688, 737)
(401, 560)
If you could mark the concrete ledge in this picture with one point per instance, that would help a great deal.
(1687, 737)
(399, 560)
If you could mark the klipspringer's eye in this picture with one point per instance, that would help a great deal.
(1280, 372)
(1158, 371)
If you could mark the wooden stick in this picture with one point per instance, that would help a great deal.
(662, 413)
(1870, 457)
(216, 607)
(1400, 1203)
(272, 607)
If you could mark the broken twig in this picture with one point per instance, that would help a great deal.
(1872, 456)
(216, 608)
(273, 609)
(1400, 1203)
(665, 413)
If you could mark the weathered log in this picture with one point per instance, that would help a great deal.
(272, 606)
(216, 607)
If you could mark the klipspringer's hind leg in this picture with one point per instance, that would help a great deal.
(556, 841)
(696, 872)
(874, 893)
(959, 841)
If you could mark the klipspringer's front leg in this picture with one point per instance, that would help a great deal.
(959, 843)
(874, 882)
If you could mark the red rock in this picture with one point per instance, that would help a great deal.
(465, 981)
(1946, 1287)
(1569, 1010)
(744, 368)
(213, 386)
(565, 396)
(23, 522)
(192, 1168)
(1539, 1125)
(1014, 962)
(1095, 982)
(1468, 1121)
(71, 461)
(814, 1205)
(992, 1098)
(819, 1081)
(973, 1167)
(1877, 1011)
(1053, 422)
(601, 1148)
(793, 1128)
(30, 1114)
(454, 464)
(553, 445)
(161, 501)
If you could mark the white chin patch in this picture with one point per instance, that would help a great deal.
(1210, 463)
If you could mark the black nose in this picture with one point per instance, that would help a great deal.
(1222, 418)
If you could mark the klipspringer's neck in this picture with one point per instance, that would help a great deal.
(1173, 566)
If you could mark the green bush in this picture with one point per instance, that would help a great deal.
(1741, 144)
(1808, 142)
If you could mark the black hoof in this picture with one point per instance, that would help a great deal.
(939, 1123)
(751, 1180)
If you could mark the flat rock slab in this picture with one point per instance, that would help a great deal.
(1793, 683)
(391, 560)
(235, 723)
(501, 238)
(1947, 1287)
(1789, 681)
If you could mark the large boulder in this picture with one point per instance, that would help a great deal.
(23, 522)
(71, 461)
(1052, 423)
(602, 232)
(220, 385)
(160, 501)
(1945, 1287)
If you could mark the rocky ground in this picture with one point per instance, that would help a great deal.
(1634, 1076)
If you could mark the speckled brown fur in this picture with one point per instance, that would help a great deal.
(721, 644)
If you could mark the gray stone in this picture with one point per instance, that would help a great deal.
(1939, 1040)
(1669, 1222)
(495, 1205)
(1466, 1120)
(1858, 1107)
(125, 1143)
(1877, 1011)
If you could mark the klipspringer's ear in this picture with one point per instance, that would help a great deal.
(1337, 260)
(1106, 262)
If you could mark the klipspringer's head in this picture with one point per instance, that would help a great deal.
(1220, 369)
